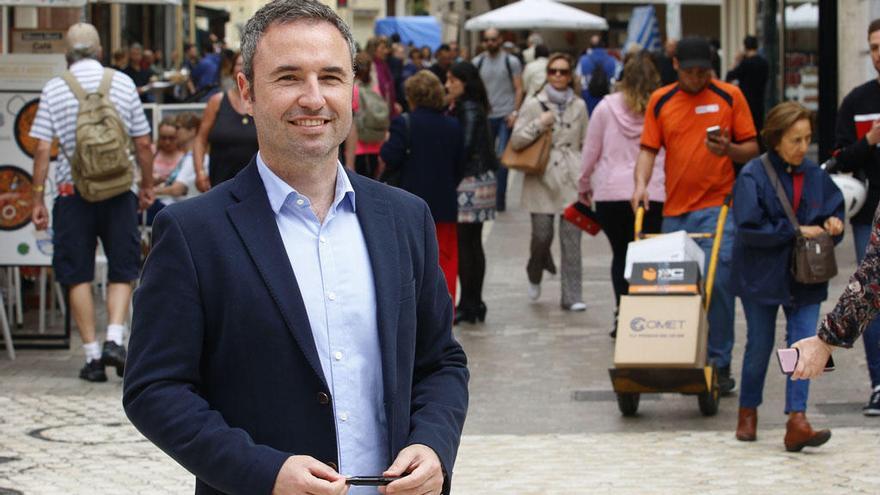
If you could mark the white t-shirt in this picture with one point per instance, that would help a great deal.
(187, 177)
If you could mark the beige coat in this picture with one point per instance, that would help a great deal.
(558, 187)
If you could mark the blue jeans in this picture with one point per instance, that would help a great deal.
(761, 322)
(722, 308)
(871, 337)
(499, 128)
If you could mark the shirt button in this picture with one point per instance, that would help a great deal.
(337, 356)
(331, 295)
(322, 239)
(343, 417)
(300, 202)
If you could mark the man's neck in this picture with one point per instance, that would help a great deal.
(316, 180)
(493, 54)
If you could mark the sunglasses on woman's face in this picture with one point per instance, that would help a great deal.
(558, 72)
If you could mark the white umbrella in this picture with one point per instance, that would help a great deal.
(804, 16)
(536, 14)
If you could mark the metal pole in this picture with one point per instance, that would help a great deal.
(4, 18)
(827, 77)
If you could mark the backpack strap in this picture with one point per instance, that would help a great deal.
(74, 85)
(780, 192)
(507, 64)
(106, 81)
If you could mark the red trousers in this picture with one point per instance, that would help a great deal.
(447, 240)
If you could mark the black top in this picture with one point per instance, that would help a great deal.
(752, 74)
(440, 72)
(233, 141)
(856, 155)
(479, 145)
(668, 75)
(428, 154)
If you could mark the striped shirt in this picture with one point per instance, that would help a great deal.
(56, 114)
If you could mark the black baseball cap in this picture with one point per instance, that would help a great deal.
(694, 52)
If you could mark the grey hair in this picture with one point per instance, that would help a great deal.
(283, 12)
(136, 45)
(81, 53)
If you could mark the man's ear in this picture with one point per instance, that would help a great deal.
(247, 94)
(675, 63)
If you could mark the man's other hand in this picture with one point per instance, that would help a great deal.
(302, 474)
(40, 215)
(719, 144)
(813, 355)
(146, 196)
(424, 468)
(873, 136)
(640, 197)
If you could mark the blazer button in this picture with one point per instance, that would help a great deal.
(323, 398)
(333, 466)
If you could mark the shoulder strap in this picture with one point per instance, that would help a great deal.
(507, 64)
(780, 193)
(479, 63)
(74, 85)
(106, 82)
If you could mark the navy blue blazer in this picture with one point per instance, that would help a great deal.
(433, 168)
(222, 371)
(761, 266)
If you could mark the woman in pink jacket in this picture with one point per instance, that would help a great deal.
(609, 158)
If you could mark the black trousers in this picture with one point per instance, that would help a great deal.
(471, 264)
(618, 222)
(366, 165)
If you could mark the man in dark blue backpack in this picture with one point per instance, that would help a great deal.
(596, 70)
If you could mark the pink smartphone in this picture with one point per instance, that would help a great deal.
(788, 359)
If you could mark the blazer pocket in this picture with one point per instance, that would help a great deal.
(408, 290)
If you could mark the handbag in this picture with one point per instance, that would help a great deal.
(812, 259)
(531, 160)
(583, 217)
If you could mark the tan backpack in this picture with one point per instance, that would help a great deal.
(101, 164)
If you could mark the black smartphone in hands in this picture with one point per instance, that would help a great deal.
(370, 480)
(713, 132)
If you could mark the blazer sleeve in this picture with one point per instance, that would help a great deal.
(161, 393)
(754, 227)
(853, 153)
(440, 374)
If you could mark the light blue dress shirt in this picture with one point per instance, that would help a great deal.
(332, 268)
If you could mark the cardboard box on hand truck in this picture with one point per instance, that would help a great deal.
(666, 331)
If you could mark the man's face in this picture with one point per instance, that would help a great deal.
(492, 38)
(693, 80)
(874, 45)
(444, 58)
(148, 57)
(453, 48)
(192, 52)
(135, 55)
(301, 94)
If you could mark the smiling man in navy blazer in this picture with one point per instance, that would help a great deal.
(293, 324)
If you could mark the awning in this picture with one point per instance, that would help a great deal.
(537, 14)
(423, 30)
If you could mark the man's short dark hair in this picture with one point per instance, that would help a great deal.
(442, 48)
(750, 42)
(874, 26)
(283, 12)
(541, 51)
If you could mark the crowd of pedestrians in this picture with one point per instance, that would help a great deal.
(435, 123)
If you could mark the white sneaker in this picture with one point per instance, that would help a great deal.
(534, 291)
(578, 306)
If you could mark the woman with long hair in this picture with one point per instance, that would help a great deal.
(229, 132)
(559, 109)
(608, 162)
(476, 192)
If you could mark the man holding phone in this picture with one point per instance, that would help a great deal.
(705, 125)
(307, 334)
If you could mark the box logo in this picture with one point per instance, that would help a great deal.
(639, 324)
(649, 274)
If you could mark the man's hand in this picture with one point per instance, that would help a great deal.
(640, 197)
(39, 213)
(302, 474)
(203, 183)
(146, 196)
(873, 136)
(511, 119)
(586, 198)
(719, 144)
(810, 231)
(814, 354)
(833, 226)
(424, 468)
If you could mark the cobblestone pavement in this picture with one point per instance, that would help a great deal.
(542, 420)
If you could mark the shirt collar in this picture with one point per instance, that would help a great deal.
(280, 192)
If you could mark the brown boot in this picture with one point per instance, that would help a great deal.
(799, 433)
(747, 425)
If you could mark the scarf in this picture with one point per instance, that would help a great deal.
(557, 97)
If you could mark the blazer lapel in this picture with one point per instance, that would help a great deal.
(378, 226)
(255, 223)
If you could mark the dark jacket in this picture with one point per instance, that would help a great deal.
(223, 374)
(479, 144)
(765, 237)
(428, 157)
(856, 155)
